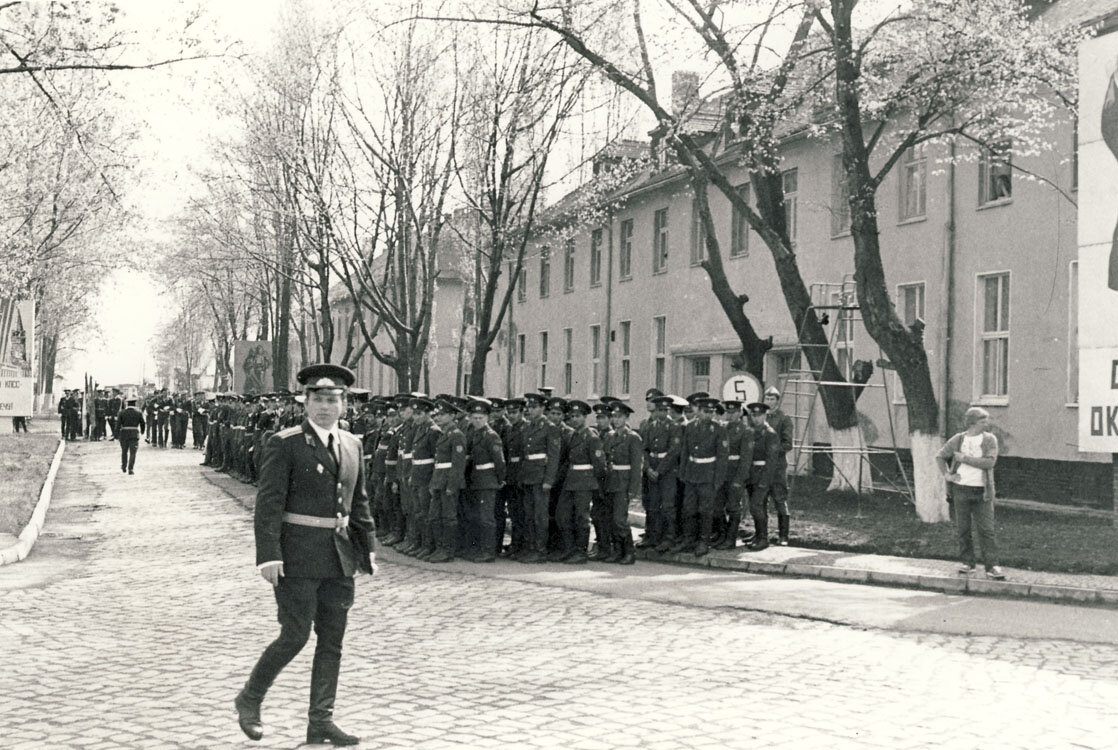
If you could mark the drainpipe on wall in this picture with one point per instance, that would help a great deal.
(511, 341)
(608, 342)
(949, 294)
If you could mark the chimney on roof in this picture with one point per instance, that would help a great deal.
(685, 92)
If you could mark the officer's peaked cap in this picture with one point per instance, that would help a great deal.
(574, 405)
(325, 376)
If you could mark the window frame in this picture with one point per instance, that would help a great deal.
(840, 202)
(739, 226)
(626, 329)
(595, 360)
(569, 265)
(982, 336)
(625, 251)
(898, 396)
(791, 204)
(543, 342)
(596, 237)
(521, 360)
(986, 160)
(568, 361)
(698, 235)
(545, 272)
(660, 375)
(914, 162)
(660, 240)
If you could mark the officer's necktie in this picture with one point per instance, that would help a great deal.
(330, 447)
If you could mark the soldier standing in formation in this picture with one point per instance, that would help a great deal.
(782, 425)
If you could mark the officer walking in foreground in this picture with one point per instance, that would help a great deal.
(130, 427)
(313, 534)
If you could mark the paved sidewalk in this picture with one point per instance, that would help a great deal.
(852, 567)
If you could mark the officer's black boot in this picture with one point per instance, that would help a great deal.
(760, 534)
(248, 713)
(730, 538)
(628, 557)
(782, 521)
(603, 549)
(705, 523)
(448, 542)
(690, 536)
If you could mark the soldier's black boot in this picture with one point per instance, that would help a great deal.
(603, 550)
(448, 543)
(628, 557)
(760, 534)
(782, 522)
(730, 538)
(705, 523)
(328, 733)
(248, 715)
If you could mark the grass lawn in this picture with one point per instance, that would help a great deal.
(886, 524)
(24, 462)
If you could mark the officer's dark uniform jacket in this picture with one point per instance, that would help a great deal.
(485, 467)
(734, 431)
(403, 451)
(583, 460)
(513, 445)
(766, 458)
(298, 475)
(422, 460)
(663, 445)
(382, 443)
(624, 452)
(539, 457)
(131, 424)
(782, 425)
(703, 460)
(450, 460)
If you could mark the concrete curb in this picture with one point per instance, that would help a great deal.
(925, 581)
(30, 533)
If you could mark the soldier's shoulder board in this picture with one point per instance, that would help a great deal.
(289, 432)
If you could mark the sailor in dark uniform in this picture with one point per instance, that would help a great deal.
(313, 534)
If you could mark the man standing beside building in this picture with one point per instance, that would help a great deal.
(585, 473)
(313, 534)
(485, 475)
(539, 466)
(702, 470)
(967, 462)
(764, 465)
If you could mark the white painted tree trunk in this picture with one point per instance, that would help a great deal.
(851, 464)
(930, 489)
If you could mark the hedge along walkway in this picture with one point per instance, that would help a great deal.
(27, 463)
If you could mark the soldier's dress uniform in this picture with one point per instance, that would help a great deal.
(131, 426)
(485, 475)
(539, 466)
(410, 537)
(447, 483)
(728, 499)
(702, 470)
(420, 469)
(663, 447)
(764, 463)
(311, 514)
(625, 455)
(513, 443)
(778, 490)
(585, 471)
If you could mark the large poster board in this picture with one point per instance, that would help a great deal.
(252, 366)
(1098, 245)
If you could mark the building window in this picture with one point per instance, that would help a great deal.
(521, 358)
(545, 271)
(625, 256)
(700, 374)
(791, 180)
(995, 173)
(543, 359)
(595, 361)
(626, 350)
(840, 201)
(659, 352)
(782, 366)
(522, 284)
(1073, 333)
(910, 308)
(698, 235)
(569, 265)
(914, 183)
(993, 292)
(568, 361)
(660, 240)
(739, 228)
(596, 257)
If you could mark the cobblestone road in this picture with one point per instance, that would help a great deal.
(142, 639)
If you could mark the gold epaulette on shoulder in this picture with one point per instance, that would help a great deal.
(289, 432)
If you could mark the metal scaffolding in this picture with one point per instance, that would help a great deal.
(839, 301)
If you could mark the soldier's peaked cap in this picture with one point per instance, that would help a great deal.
(574, 405)
(325, 376)
(422, 404)
(664, 400)
(537, 399)
(756, 408)
(708, 403)
(697, 396)
(561, 404)
(546, 390)
(609, 399)
(620, 407)
(732, 403)
(476, 405)
(653, 393)
(601, 408)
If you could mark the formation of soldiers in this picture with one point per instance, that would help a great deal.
(448, 476)
(101, 414)
(169, 416)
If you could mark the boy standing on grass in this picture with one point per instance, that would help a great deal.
(972, 455)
